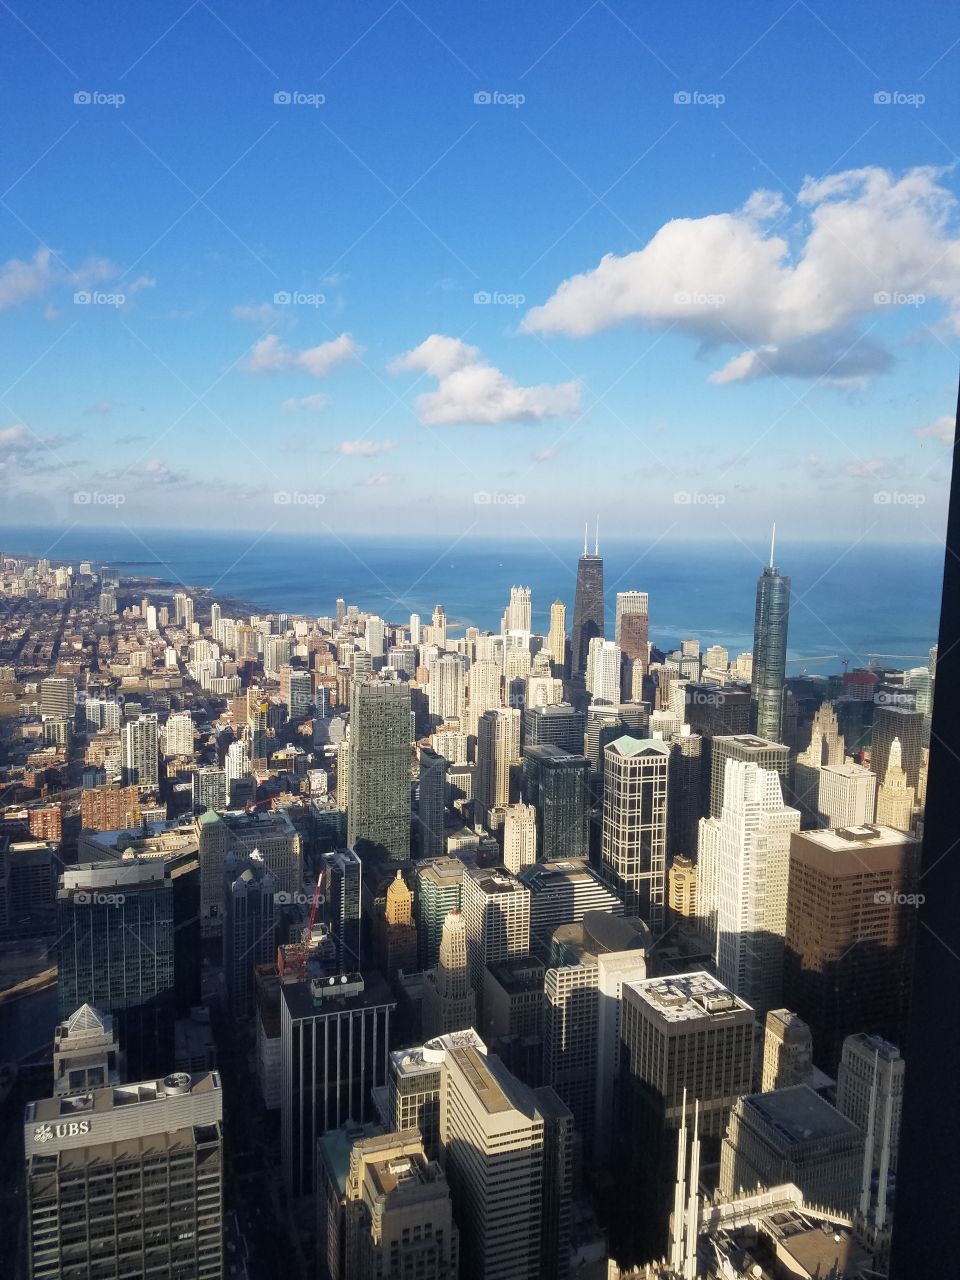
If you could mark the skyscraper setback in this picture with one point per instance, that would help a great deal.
(770, 651)
(587, 606)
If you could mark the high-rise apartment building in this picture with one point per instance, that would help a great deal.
(498, 758)
(557, 784)
(682, 887)
(851, 919)
(335, 1040)
(519, 836)
(178, 735)
(587, 608)
(603, 671)
(633, 852)
(115, 951)
(210, 788)
(743, 873)
(58, 697)
(127, 1180)
(483, 683)
(378, 817)
(447, 694)
(109, 808)
(557, 637)
(340, 877)
(557, 725)
(687, 760)
(685, 1040)
(770, 652)
(138, 747)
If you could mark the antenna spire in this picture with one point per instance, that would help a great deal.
(773, 542)
(585, 524)
(596, 545)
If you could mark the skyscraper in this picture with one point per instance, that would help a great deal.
(602, 675)
(498, 758)
(557, 784)
(851, 919)
(519, 836)
(116, 952)
(744, 865)
(127, 1179)
(483, 682)
(340, 876)
(248, 934)
(787, 1050)
(438, 890)
(335, 1037)
(634, 842)
(847, 795)
(749, 748)
(558, 724)
(895, 798)
(139, 752)
(449, 1003)
(587, 607)
(557, 638)
(770, 651)
(517, 614)
(826, 748)
(684, 1040)
(378, 816)
(431, 802)
(496, 915)
(210, 788)
(904, 724)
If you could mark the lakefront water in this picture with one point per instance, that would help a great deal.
(848, 602)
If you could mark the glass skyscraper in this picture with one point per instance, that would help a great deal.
(587, 607)
(770, 651)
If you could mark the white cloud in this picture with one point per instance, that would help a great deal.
(269, 355)
(380, 478)
(867, 242)
(472, 391)
(306, 404)
(363, 448)
(20, 281)
(264, 314)
(141, 282)
(868, 468)
(943, 430)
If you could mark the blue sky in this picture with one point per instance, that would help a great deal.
(434, 188)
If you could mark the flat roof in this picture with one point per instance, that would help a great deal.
(844, 839)
(298, 999)
(800, 1115)
(688, 997)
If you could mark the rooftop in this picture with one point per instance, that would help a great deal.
(688, 997)
(627, 746)
(846, 839)
(298, 997)
(799, 1115)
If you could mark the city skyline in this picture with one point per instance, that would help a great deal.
(456, 354)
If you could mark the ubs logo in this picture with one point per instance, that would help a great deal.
(70, 1129)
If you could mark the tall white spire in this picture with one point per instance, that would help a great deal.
(773, 542)
(585, 527)
(693, 1205)
(679, 1194)
(596, 545)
